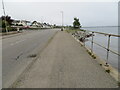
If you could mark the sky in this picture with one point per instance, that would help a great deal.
(90, 13)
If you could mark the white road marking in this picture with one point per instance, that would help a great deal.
(17, 42)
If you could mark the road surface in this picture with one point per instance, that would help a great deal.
(65, 64)
(17, 49)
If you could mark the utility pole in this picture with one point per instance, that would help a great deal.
(4, 16)
(62, 20)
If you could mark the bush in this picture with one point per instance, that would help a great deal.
(9, 29)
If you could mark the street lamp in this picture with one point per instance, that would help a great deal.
(62, 20)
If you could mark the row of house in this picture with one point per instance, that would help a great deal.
(29, 24)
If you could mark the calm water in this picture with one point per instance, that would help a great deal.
(102, 39)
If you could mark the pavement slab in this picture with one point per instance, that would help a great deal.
(65, 64)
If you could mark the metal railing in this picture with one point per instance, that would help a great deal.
(108, 43)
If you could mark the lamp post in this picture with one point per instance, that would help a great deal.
(62, 20)
(4, 16)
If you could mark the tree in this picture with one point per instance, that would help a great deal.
(7, 19)
(76, 23)
(4, 23)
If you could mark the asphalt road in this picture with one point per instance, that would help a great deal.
(17, 49)
(65, 64)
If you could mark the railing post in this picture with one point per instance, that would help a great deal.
(92, 43)
(108, 47)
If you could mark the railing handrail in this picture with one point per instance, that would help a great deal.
(104, 33)
(108, 45)
(101, 45)
(105, 48)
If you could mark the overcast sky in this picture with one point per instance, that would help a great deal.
(90, 13)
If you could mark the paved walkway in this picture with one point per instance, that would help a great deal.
(65, 64)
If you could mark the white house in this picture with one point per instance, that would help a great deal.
(21, 23)
(36, 24)
(45, 25)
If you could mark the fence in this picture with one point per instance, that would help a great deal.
(108, 44)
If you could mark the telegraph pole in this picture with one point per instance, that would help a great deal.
(4, 16)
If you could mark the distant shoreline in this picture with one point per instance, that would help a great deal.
(98, 26)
